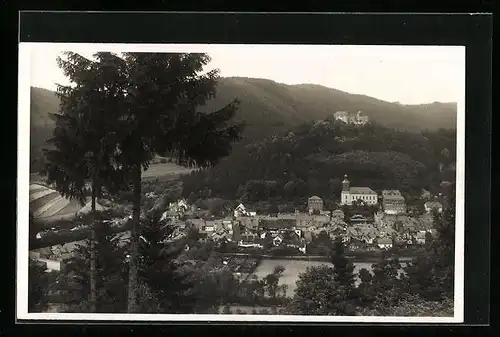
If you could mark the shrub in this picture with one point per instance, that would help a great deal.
(163, 161)
(227, 310)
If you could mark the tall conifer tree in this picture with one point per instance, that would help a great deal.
(81, 151)
(165, 91)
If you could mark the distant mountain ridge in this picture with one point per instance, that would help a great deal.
(270, 108)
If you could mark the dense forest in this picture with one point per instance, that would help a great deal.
(313, 158)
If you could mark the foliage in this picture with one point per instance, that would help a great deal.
(84, 140)
(317, 293)
(320, 244)
(38, 287)
(111, 274)
(162, 95)
(383, 289)
(413, 306)
(432, 275)
(343, 267)
(290, 168)
(272, 280)
(159, 267)
(227, 310)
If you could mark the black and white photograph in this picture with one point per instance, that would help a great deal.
(241, 182)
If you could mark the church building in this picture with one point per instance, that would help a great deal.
(350, 194)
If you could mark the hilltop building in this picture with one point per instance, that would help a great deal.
(393, 202)
(342, 116)
(348, 118)
(350, 194)
(315, 203)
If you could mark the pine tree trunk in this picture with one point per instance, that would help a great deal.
(93, 256)
(133, 281)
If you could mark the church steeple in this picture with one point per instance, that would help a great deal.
(345, 184)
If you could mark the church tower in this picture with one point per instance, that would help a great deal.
(345, 184)
(345, 196)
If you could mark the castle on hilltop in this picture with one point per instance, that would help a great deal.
(349, 118)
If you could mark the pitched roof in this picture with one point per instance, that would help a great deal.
(315, 197)
(88, 207)
(390, 192)
(391, 198)
(433, 204)
(361, 190)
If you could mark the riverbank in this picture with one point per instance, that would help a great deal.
(294, 267)
(319, 258)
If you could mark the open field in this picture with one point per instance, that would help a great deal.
(162, 170)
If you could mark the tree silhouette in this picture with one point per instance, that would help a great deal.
(37, 286)
(161, 116)
(81, 151)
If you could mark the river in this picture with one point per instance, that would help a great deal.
(294, 267)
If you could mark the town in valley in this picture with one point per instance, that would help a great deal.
(347, 209)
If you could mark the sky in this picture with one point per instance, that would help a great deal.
(405, 74)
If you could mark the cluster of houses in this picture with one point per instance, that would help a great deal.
(392, 202)
(54, 257)
(247, 229)
(297, 230)
(360, 231)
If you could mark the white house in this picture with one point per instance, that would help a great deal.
(420, 239)
(240, 210)
(249, 245)
(384, 243)
(277, 240)
(209, 228)
(52, 265)
(431, 205)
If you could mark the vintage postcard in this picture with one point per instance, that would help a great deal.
(223, 182)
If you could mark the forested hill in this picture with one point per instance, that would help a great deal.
(270, 108)
(267, 105)
(42, 103)
(312, 160)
